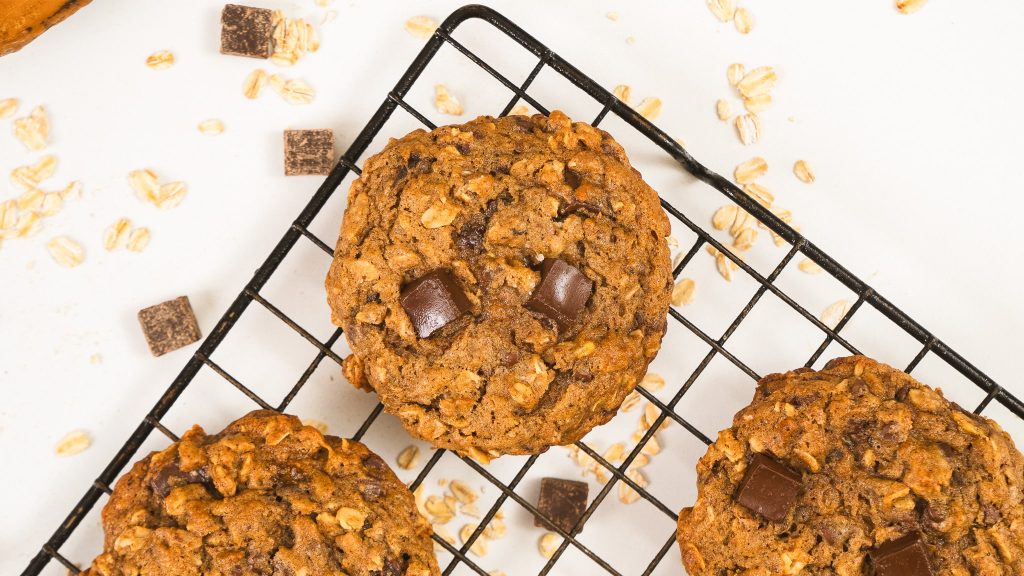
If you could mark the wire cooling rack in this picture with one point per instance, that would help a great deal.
(670, 407)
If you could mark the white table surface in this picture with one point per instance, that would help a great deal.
(912, 124)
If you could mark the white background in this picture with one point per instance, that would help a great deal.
(912, 124)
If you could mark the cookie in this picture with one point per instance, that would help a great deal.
(856, 469)
(265, 496)
(503, 284)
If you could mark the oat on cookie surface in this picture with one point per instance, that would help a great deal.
(265, 496)
(503, 283)
(886, 463)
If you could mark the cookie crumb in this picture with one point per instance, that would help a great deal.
(320, 425)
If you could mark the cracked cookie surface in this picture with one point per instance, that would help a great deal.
(267, 496)
(486, 203)
(881, 456)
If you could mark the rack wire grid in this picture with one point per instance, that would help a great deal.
(927, 346)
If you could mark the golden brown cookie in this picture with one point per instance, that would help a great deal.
(21, 21)
(890, 477)
(265, 496)
(503, 284)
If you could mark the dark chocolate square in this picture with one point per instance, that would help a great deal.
(562, 293)
(433, 301)
(769, 488)
(904, 556)
(169, 326)
(246, 31)
(563, 501)
(308, 152)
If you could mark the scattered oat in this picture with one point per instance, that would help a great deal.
(745, 239)
(254, 84)
(95, 359)
(421, 26)
(324, 3)
(148, 189)
(520, 110)
(724, 264)
(8, 214)
(72, 191)
(138, 240)
(8, 107)
(497, 573)
(809, 266)
(758, 103)
(294, 91)
(758, 192)
(409, 458)
(723, 110)
(613, 16)
(66, 251)
(548, 543)
(623, 92)
(73, 443)
(446, 102)
(292, 39)
(910, 6)
(479, 547)
(627, 495)
(27, 225)
(329, 17)
(52, 203)
(735, 73)
(649, 108)
(320, 425)
(33, 129)
(682, 293)
(835, 313)
(630, 40)
(652, 382)
(748, 128)
(750, 170)
(743, 20)
(724, 10)
(160, 60)
(724, 216)
(803, 171)
(632, 400)
(211, 127)
(462, 492)
(757, 82)
(28, 177)
(615, 453)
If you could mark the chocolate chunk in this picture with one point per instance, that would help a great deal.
(371, 489)
(574, 206)
(572, 178)
(562, 293)
(562, 501)
(471, 235)
(769, 488)
(169, 326)
(433, 301)
(905, 556)
(246, 31)
(171, 476)
(308, 152)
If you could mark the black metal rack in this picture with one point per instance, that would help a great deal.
(299, 230)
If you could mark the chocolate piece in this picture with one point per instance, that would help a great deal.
(562, 293)
(433, 301)
(169, 326)
(905, 556)
(308, 152)
(246, 31)
(769, 488)
(562, 501)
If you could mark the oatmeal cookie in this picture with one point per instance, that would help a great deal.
(856, 469)
(503, 284)
(265, 496)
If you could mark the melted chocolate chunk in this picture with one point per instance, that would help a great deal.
(905, 556)
(433, 301)
(769, 488)
(171, 476)
(471, 235)
(562, 293)
(572, 178)
(574, 206)
(523, 123)
(562, 501)
(462, 147)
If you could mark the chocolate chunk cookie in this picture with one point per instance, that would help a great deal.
(503, 284)
(857, 469)
(265, 496)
